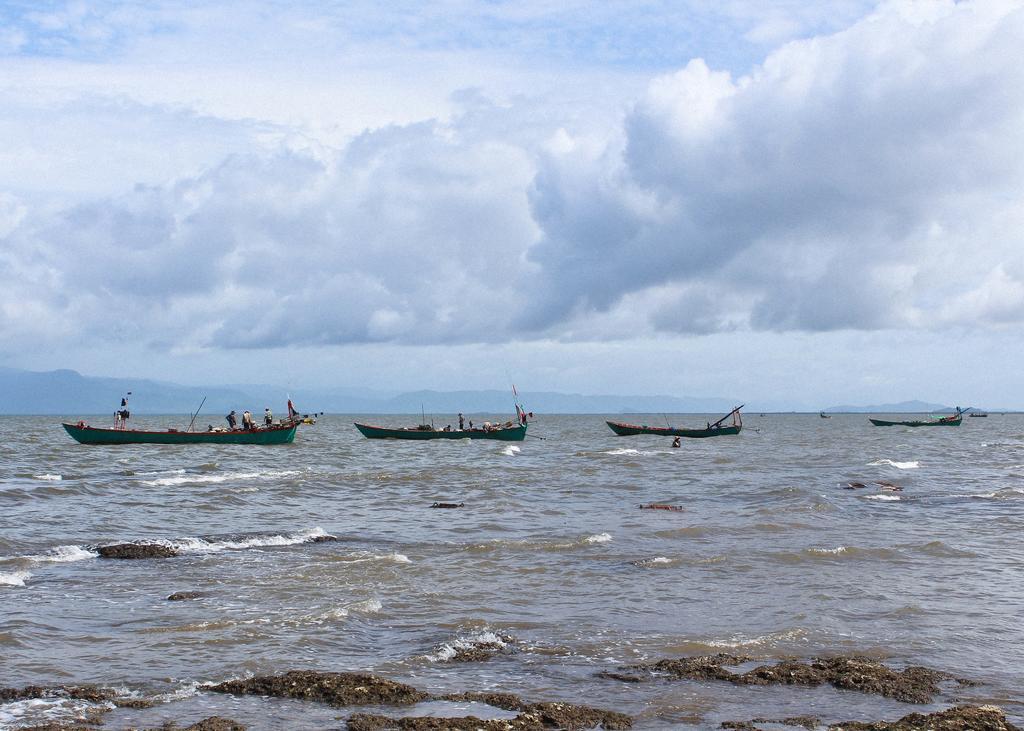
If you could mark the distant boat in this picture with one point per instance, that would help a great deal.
(823, 415)
(85, 434)
(507, 432)
(978, 415)
(718, 429)
(953, 420)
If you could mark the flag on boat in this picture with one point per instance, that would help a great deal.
(292, 413)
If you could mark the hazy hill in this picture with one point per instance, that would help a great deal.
(70, 393)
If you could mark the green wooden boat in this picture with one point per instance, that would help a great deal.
(508, 432)
(953, 420)
(85, 434)
(718, 429)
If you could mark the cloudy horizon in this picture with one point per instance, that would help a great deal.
(809, 203)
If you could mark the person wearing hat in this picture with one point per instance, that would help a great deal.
(268, 417)
(232, 421)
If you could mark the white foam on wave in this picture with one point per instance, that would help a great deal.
(825, 551)
(14, 578)
(898, 465)
(598, 538)
(884, 498)
(364, 556)
(656, 561)
(511, 450)
(48, 477)
(63, 554)
(203, 545)
(624, 450)
(47, 710)
(206, 478)
(738, 641)
(483, 638)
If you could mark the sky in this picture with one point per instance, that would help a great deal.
(803, 203)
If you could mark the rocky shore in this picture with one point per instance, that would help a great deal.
(357, 691)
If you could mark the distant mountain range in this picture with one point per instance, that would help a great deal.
(903, 407)
(67, 392)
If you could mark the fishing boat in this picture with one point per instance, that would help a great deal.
(952, 420)
(718, 429)
(979, 415)
(823, 415)
(507, 432)
(277, 434)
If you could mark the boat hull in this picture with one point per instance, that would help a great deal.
(630, 430)
(935, 422)
(511, 434)
(96, 435)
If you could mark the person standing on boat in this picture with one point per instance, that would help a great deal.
(462, 423)
(232, 421)
(247, 423)
(122, 415)
(268, 417)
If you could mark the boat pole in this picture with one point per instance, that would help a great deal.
(191, 423)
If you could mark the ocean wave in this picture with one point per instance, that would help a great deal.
(484, 639)
(656, 561)
(367, 606)
(511, 450)
(532, 544)
(197, 479)
(898, 465)
(14, 578)
(55, 710)
(63, 554)
(48, 477)
(364, 556)
(207, 545)
(740, 642)
(839, 552)
(883, 498)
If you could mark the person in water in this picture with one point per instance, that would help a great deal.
(232, 421)
(675, 442)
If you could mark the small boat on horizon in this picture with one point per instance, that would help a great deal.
(952, 420)
(718, 429)
(823, 415)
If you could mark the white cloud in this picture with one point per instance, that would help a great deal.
(868, 179)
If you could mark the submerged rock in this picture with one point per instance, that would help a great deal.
(88, 693)
(180, 596)
(323, 539)
(532, 717)
(136, 551)
(335, 689)
(911, 685)
(569, 716)
(958, 718)
(808, 722)
(374, 722)
(504, 701)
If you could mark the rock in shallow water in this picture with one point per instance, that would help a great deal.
(959, 718)
(136, 551)
(335, 689)
(180, 596)
(911, 685)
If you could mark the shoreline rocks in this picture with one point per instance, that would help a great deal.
(333, 689)
(136, 551)
(958, 718)
(911, 685)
